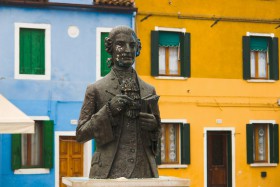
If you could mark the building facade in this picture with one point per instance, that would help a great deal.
(215, 66)
(50, 52)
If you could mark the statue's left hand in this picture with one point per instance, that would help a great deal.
(147, 121)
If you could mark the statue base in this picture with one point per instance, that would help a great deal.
(162, 181)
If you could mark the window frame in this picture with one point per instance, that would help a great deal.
(47, 28)
(250, 150)
(184, 62)
(256, 138)
(167, 63)
(272, 75)
(99, 30)
(178, 150)
(180, 122)
(29, 147)
(38, 170)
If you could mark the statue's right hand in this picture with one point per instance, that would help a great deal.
(119, 103)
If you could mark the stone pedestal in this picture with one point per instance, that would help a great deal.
(123, 182)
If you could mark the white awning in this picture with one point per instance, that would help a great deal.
(13, 120)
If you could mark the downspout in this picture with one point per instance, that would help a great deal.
(133, 21)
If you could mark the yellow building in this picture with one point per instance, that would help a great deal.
(215, 66)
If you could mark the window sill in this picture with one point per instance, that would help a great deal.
(258, 80)
(32, 77)
(171, 78)
(175, 166)
(263, 165)
(32, 171)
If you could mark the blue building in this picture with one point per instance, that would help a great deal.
(49, 52)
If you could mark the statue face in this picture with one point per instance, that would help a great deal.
(124, 50)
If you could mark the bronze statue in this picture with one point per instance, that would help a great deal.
(120, 112)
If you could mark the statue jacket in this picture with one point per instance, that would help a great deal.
(97, 123)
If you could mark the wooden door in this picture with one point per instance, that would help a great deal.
(70, 158)
(218, 159)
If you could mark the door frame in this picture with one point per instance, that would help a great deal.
(232, 132)
(87, 154)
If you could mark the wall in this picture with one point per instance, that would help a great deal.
(73, 67)
(216, 89)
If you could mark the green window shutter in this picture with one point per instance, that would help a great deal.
(250, 143)
(16, 151)
(273, 59)
(274, 143)
(154, 53)
(25, 55)
(48, 143)
(185, 54)
(32, 51)
(158, 157)
(246, 57)
(185, 144)
(104, 55)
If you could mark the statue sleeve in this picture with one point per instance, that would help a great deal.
(94, 123)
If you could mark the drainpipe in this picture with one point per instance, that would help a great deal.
(133, 20)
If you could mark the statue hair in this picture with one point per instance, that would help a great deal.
(111, 38)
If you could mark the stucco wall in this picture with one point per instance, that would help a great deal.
(73, 67)
(215, 89)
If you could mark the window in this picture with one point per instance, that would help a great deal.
(34, 150)
(174, 144)
(102, 68)
(170, 53)
(32, 51)
(260, 57)
(262, 143)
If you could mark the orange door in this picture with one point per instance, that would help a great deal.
(70, 158)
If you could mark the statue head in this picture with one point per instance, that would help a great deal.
(123, 45)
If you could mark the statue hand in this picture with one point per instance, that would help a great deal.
(119, 103)
(147, 121)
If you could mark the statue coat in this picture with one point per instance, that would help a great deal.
(97, 123)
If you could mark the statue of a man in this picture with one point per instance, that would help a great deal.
(120, 112)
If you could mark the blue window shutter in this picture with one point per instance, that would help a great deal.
(250, 143)
(246, 57)
(185, 144)
(273, 59)
(154, 53)
(16, 151)
(274, 143)
(185, 54)
(48, 143)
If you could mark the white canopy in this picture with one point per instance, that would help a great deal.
(13, 120)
